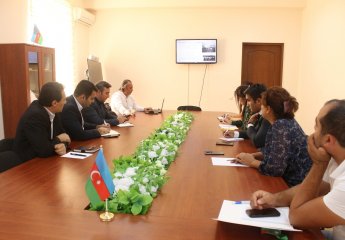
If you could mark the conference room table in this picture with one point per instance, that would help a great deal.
(45, 198)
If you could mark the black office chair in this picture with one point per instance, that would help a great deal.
(189, 108)
(8, 158)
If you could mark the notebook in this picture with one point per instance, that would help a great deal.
(111, 134)
(158, 110)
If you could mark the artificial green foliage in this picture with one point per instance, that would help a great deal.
(140, 176)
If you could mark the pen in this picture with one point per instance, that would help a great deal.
(78, 154)
(234, 160)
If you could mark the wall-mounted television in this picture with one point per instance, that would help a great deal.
(94, 71)
(189, 51)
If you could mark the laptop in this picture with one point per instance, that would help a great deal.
(158, 110)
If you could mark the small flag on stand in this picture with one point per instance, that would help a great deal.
(100, 184)
(36, 36)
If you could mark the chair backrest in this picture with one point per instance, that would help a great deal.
(189, 108)
(6, 144)
(8, 159)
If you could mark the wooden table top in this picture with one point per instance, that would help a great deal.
(45, 197)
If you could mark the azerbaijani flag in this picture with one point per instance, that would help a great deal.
(36, 35)
(100, 184)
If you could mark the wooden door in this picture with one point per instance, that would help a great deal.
(262, 63)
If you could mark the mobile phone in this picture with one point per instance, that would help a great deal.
(207, 152)
(224, 143)
(259, 213)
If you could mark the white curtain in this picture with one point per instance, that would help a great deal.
(54, 20)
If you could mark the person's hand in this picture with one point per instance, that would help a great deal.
(262, 199)
(63, 137)
(103, 129)
(245, 158)
(317, 154)
(254, 118)
(148, 109)
(228, 134)
(227, 120)
(122, 119)
(60, 148)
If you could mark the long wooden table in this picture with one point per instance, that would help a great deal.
(45, 198)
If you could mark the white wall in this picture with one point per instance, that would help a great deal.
(139, 44)
(322, 70)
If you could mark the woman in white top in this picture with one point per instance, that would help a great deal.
(123, 103)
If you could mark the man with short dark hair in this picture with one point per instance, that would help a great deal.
(72, 119)
(97, 113)
(39, 132)
(319, 200)
(257, 126)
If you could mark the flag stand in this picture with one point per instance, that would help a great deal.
(106, 216)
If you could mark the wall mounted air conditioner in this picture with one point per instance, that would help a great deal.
(83, 16)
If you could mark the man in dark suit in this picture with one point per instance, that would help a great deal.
(39, 132)
(72, 119)
(257, 126)
(97, 113)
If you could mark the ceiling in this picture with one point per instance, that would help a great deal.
(105, 4)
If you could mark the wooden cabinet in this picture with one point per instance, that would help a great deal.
(23, 67)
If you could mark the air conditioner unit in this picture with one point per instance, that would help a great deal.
(84, 17)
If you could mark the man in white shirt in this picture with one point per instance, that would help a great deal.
(122, 103)
(319, 200)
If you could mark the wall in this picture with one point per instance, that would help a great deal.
(139, 44)
(322, 71)
(16, 32)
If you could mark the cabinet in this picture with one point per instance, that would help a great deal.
(23, 67)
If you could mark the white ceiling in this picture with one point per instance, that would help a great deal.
(104, 4)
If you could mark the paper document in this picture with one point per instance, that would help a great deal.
(221, 161)
(228, 127)
(126, 124)
(77, 155)
(112, 133)
(231, 139)
(235, 212)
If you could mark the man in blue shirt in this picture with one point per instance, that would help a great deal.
(98, 113)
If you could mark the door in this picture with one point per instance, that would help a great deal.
(262, 63)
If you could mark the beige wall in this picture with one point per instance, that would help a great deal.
(322, 75)
(139, 44)
(15, 13)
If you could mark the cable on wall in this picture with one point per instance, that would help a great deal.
(203, 81)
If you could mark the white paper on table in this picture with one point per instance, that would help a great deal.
(126, 124)
(77, 155)
(221, 161)
(112, 133)
(233, 212)
(231, 139)
(228, 127)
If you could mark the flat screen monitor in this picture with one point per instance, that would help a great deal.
(189, 51)
(94, 71)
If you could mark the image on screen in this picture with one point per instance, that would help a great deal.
(189, 51)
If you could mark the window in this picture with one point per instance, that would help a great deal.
(54, 20)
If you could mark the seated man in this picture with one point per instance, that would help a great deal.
(71, 116)
(257, 126)
(123, 103)
(319, 200)
(97, 113)
(39, 132)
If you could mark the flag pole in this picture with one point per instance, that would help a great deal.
(106, 216)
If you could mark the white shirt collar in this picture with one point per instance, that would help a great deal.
(339, 170)
(80, 107)
(51, 115)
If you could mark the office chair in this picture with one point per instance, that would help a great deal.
(189, 108)
(8, 158)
